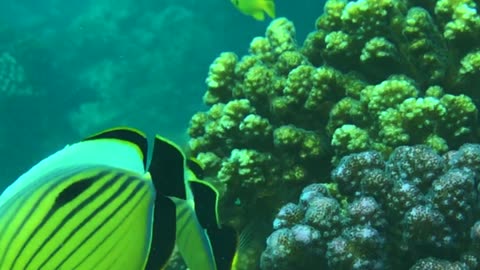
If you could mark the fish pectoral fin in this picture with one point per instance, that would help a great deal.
(258, 15)
(163, 233)
(206, 203)
(192, 239)
(269, 8)
(167, 168)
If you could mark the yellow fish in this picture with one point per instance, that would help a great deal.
(256, 8)
(94, 205)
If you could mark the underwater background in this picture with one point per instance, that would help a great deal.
(345, 133)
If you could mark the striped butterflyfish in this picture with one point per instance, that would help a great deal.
(92, 205)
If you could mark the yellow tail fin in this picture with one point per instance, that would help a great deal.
(269, 8)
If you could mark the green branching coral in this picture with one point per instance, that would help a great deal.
(392, 113)
(245, 168)
(350, 139)
(431, 43)
(388, 94)
(459, 20)
(220, 78)
(425, 40)
(469, 73)
(264, 135)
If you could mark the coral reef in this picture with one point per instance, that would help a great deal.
(427, 217)
(415, 57)
(375, 75)
(13, 81)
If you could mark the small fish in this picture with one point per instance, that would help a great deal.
(94, 205)
(256, 8)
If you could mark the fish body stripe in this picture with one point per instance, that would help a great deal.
(44, 221)
(71, 231)
(135, 193)
(117, 227)
(80, 226)
(36, 198)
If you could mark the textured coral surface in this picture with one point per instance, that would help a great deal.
(376, 75)
(415, 210)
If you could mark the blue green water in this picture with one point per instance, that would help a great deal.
(97, 64)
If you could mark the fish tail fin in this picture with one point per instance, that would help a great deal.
(259, 15)
(232, 248)
(244, 242)
(269, 8)
(224, 245)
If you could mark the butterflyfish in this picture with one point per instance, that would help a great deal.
(256, 8)
(95, 205)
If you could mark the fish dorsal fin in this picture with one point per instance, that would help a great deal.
(167, 168)
(163, 233)
(115, 148)
(125, 134)
(196, 167)
(206, 203)
(269, 8)
(224, 244)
